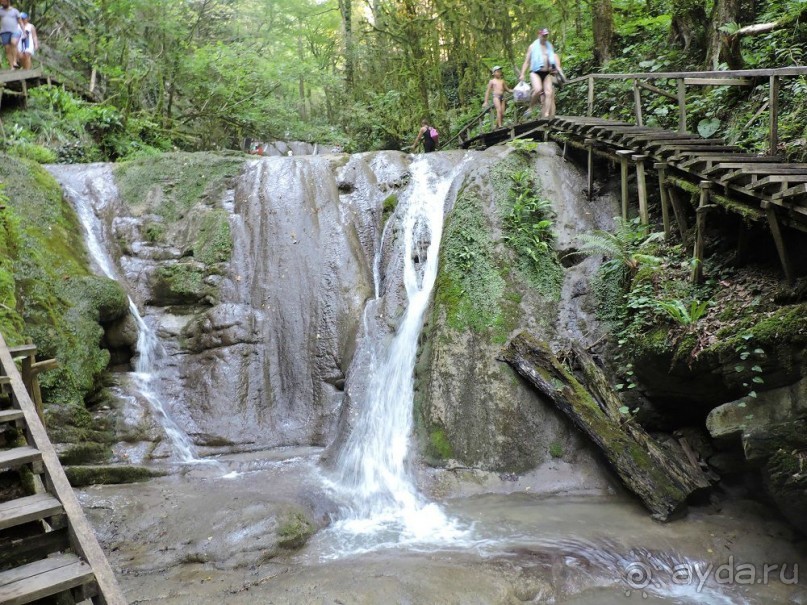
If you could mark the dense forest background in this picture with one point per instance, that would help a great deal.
(205, 74)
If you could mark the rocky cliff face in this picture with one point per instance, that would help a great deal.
(255, 275)
(472, 408)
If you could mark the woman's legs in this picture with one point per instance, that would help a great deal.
(537, 90)
(548, 104)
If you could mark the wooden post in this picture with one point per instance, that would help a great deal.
(641, 186)
(590, 183)
(778, 239)
(678, 210)
(24, 94)
(661, 169)
(623, 168)
(700, 231)
(93, 75)
(590, 95)
(773, 142)
(637, 101)
(682, 106)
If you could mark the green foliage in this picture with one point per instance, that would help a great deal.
(528, 231)
(750, 358)
(439, 445)
(556, 449)
(469, 286)
(682, 313)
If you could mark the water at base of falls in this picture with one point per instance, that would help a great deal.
(380, 505)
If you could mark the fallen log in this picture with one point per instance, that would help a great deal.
(662, 481)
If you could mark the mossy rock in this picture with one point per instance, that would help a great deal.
(180, 283)
(73, 423)
(86, 453)
(170, 184)
(48, 295)
(82, 476)
(294, 530)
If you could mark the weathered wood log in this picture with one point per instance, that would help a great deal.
(662, 482)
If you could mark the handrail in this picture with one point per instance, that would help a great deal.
(674, 75)
(736, 77)
(82, 536)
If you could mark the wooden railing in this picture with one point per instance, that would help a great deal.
(82, 540)
(677, 93)
(682, 79)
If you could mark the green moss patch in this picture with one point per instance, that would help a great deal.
(294, 530)
(214, 243)
(82, 476)
(47, 293)
(182, 283)
(170, 184)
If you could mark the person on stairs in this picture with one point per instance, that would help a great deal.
(498, 87)
(429, 136)
(542, 61)
(10, 31)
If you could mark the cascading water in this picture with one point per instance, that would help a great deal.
(381, 503)
(148, 345)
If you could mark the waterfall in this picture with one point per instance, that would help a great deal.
(149, 349)
(380, 500)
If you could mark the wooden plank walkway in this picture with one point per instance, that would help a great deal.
(47, 547)
(757, 187)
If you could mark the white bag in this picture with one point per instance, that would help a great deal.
(522, 93)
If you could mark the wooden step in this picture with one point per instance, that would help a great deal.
(44, 578)
(10, 416)
(29, 508)
(18, 456)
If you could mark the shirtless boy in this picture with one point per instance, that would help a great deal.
(498, 86)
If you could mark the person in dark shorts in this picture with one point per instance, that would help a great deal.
(10, 31)
(542, 62)
(429, 144)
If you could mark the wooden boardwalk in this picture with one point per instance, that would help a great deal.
(712, 173)
(47, 547)
(21, 79)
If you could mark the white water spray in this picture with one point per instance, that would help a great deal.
(148, 345)
(381, 503)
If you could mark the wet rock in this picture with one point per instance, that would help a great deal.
(470, 407)
(785, 477)
(752, 414)
(121, 334)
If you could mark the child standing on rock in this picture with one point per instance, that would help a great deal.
(498, 86)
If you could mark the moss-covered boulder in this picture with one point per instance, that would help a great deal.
(48, 295)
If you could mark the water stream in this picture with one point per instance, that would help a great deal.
(149, 350)
(381, 505)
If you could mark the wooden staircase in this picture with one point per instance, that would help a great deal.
(48, 551)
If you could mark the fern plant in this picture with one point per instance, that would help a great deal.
(683, 314)
(626, 247)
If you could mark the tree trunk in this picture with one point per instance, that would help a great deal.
(602, 16)
(662, 481)
(722, 47)
(346, 10)
(687, 27)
